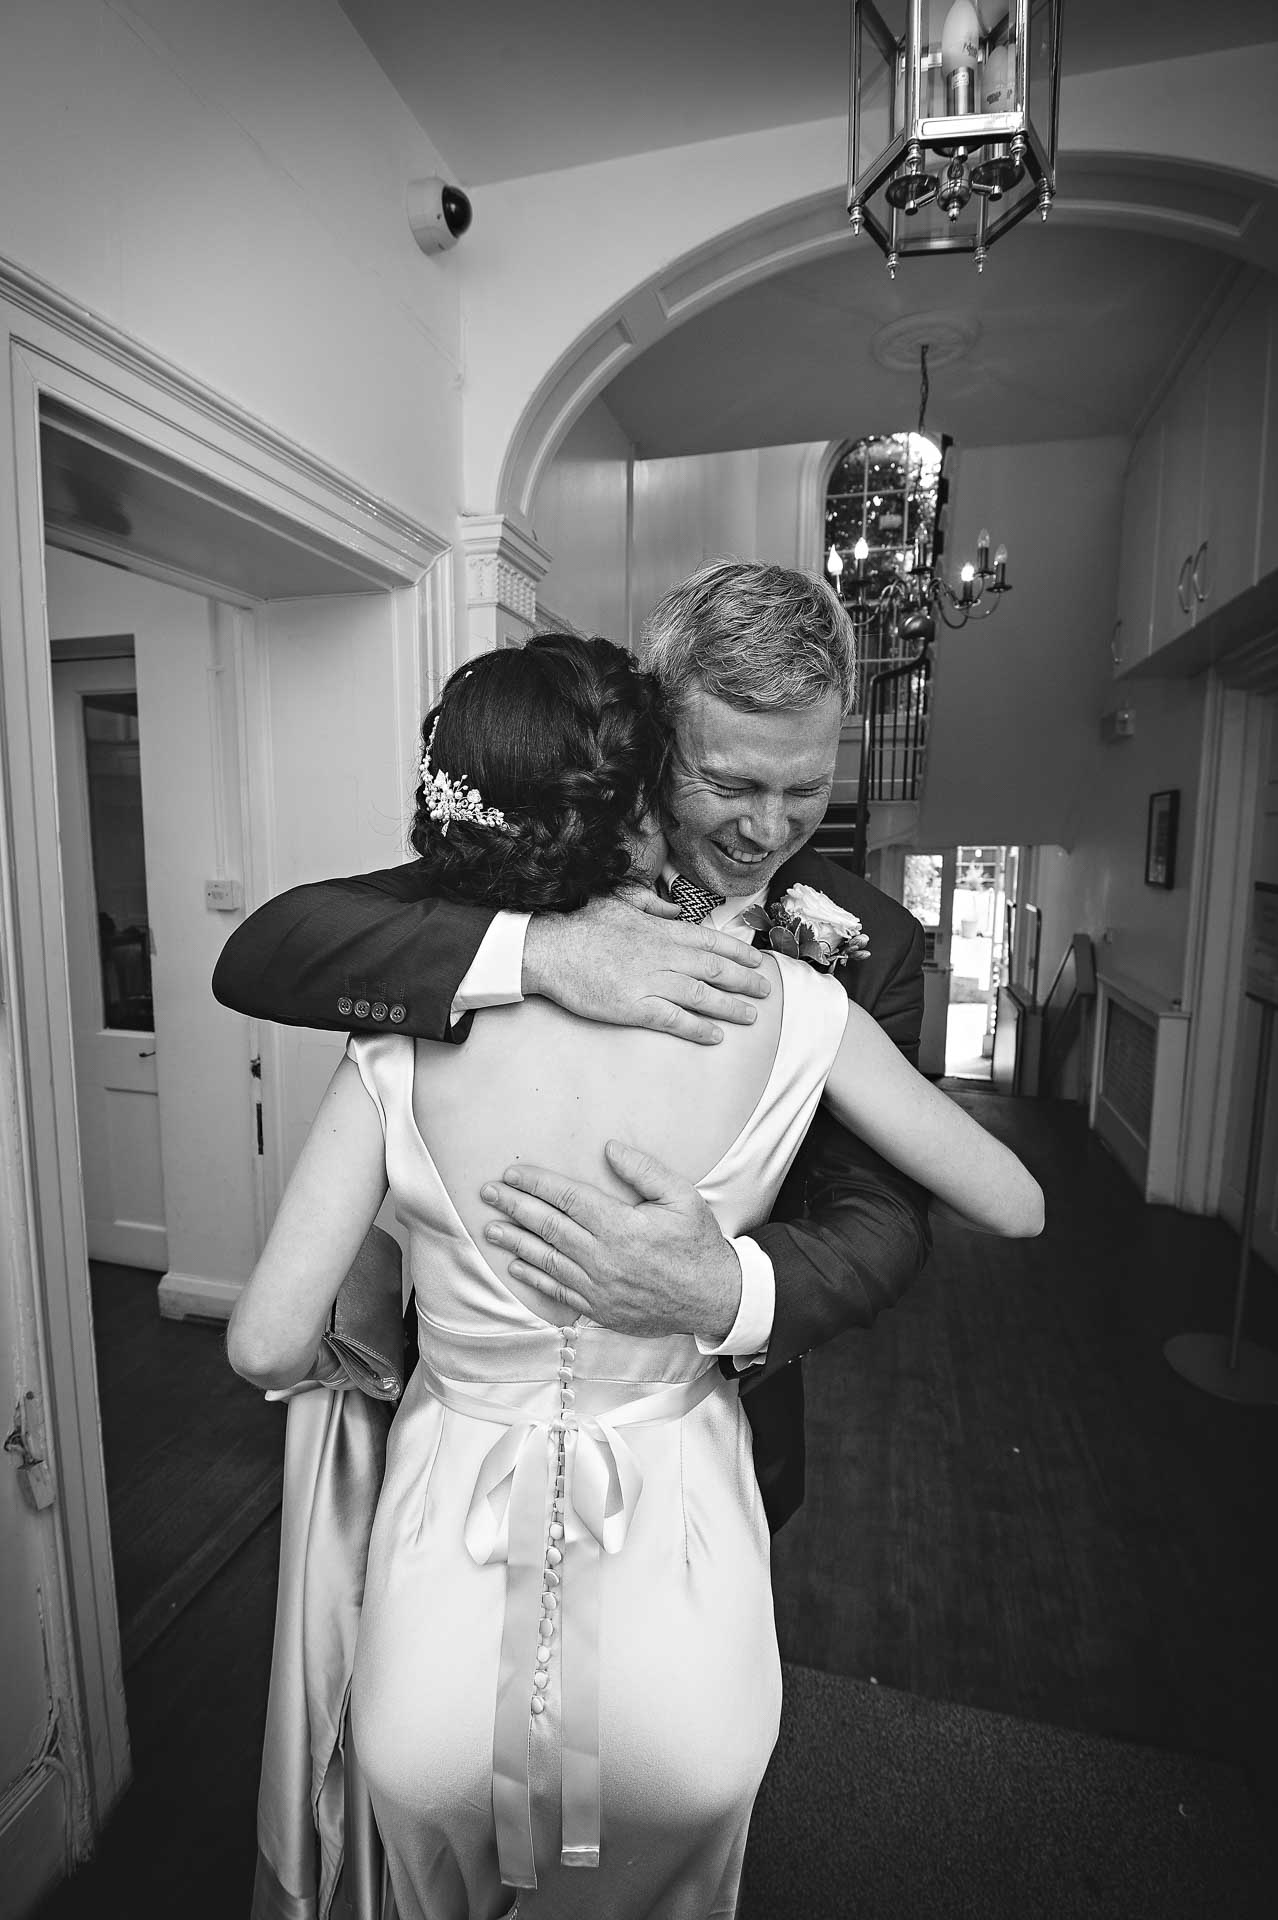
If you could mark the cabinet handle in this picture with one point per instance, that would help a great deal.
(1116, 644)
(1183, 582)
(1195, 574)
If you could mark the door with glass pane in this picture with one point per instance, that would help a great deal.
(109, 955)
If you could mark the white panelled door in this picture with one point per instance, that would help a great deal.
(337, 758)
(109, 956)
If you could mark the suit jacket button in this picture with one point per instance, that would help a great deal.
(398, 1013)
(344, 1005)
(379, 1009)
(361, 1009)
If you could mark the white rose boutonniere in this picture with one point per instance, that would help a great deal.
(808, 925)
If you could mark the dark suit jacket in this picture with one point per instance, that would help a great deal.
(372, 954)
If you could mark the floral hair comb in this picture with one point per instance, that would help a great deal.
(448, 800)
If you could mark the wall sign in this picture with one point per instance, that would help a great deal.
(1160, 838)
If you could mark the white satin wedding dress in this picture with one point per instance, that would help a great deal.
(566, 1685)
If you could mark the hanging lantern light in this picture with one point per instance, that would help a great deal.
(952, 126)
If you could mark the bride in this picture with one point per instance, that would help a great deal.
(566, 1685)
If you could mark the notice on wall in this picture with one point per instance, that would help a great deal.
(1262, 944)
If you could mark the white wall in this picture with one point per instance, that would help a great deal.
(206, 1140)
(582, 518)
(1018, 697)
(704, 506)
(226, 184)
(1098, 887)
(1016, 755)
(603, 533)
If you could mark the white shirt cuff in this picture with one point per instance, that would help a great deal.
(748, 1337)
(494, 977)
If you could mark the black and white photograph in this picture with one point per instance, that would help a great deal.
(638, 858)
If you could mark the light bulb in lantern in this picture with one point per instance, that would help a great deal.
(960, 51)
(834, 564)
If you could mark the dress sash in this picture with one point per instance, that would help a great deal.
(550, 1531)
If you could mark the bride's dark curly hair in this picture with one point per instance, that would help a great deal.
(569, 738)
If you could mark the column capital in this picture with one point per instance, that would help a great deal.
(503, 567)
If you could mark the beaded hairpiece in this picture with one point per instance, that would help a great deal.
(448, 800)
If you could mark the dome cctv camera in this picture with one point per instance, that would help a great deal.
(438, 213)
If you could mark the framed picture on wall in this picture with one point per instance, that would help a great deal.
(1160, 838)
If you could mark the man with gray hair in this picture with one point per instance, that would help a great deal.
(757, 663)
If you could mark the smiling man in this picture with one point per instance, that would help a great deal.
(757, 665)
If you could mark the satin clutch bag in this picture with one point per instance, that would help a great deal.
(365, 1344)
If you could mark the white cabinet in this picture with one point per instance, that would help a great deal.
(1225, 557)
(1200, 508)
(1184, 424)
(1138, 554)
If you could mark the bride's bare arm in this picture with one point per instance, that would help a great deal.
(329, 1204)
(875, 1093)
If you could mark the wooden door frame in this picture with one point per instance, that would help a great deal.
(1235, 737)
(52, 347)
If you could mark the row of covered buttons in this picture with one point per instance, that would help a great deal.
(550, 1579)
(377, 1010)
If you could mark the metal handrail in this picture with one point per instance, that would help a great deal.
(907, 753)
(1079, 951)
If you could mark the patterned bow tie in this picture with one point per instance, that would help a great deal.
(694, 902)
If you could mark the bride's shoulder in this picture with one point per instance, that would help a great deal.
(811, 993)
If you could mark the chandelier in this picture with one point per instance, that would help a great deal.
(952, 126)
(905, 590)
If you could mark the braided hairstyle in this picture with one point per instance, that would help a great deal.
(569, 738)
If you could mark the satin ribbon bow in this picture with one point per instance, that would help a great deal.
(506, 1522)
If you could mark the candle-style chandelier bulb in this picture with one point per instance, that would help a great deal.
(834, 563)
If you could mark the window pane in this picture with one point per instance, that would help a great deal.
(923, 887)
(114, 776)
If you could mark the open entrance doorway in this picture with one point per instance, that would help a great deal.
(960, 895)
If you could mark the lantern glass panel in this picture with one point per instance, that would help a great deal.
(879, 35)
(1042, 35)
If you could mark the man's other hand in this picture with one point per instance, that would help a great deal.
(629, 961)
(661, 1266)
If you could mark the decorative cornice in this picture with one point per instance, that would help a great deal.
(48, 304)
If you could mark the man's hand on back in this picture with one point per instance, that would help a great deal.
(629, 961)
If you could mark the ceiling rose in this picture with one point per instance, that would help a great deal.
(947, 337)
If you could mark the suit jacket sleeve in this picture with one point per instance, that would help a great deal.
(314, 955)
(849, 1232)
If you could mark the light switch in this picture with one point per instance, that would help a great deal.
(224, 896)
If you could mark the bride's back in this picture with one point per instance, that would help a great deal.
(536, 1084)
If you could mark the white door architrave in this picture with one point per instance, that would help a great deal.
(69, 1764)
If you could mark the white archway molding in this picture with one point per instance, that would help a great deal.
(622, 252)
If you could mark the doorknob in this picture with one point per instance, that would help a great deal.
(148, 1055)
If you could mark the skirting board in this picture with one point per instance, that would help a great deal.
(197, 1296)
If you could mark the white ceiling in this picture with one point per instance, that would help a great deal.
(1076, 328)
(506, 89)
(1075, 331)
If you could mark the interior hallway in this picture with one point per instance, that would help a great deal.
(1013, 1504)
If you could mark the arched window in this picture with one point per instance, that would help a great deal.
(880, 517)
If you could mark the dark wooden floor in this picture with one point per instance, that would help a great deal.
(194, 1458)
(1013, 1503)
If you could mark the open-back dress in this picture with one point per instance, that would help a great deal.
(566, 1684)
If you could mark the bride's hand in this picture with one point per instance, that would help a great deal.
(627, 963)
(658, 1267)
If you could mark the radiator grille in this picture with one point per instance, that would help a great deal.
(1127, 1074)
